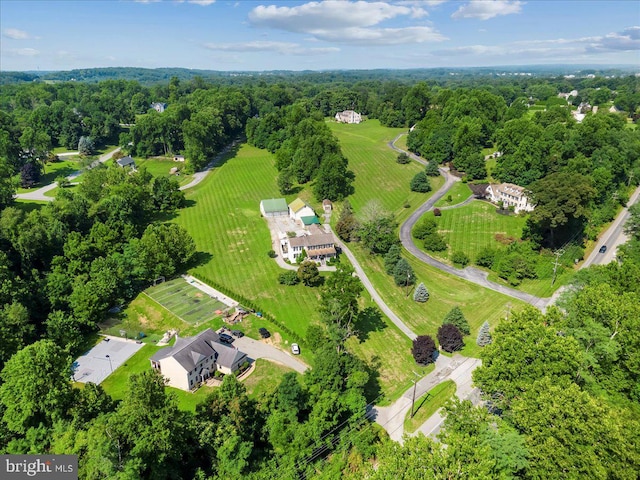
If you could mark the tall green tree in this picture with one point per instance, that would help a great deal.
(36, 387)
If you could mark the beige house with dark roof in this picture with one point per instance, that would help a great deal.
(510, 195)
(319, 245)
(191, 360)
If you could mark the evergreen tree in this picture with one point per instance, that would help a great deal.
(456, 317)
(421, 294)
(86, 146)
(484, 335)
(420, 183)
(432, 169)
(391, 258)
(403, 273)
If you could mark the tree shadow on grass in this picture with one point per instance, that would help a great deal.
(200, 258)
(369, 320)
(372, 389)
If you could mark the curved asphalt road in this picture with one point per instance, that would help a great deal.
(40, 193)
(471, 274)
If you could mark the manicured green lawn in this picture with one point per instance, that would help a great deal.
(459, 193)
(265, 378)
(402, 142)
(475, 226)
(234, 240)
(428, 404)
(160, 167)
(477, 303)
(116, 383)
(378, 175)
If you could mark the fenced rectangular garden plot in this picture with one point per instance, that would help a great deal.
(186, 301)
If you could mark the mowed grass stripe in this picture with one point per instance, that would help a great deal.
(225, 222)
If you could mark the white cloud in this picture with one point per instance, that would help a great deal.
(23, 52)
(486, 9)
(285, 48)
(626, 40)
(15, 34)
(330, 14)
(382, 36)
(346, 22)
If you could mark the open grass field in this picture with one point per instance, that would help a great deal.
(459, 193)
(428, 404)
(474, 226)
(160, 167)
(185, 301)
(233, 239)
(378, 176)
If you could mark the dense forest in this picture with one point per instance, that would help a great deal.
(561, 388)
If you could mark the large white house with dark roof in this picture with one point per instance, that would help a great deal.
(511, 196)
(191, 360)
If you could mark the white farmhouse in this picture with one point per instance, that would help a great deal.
(348, 116)
(319, 245)
(191, 360)
(510, 195)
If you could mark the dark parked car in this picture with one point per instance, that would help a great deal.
(237, 333)
(264, 333)
(225, 338)
(603, 249)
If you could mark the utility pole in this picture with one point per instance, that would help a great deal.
(508, 310)
(110, 365)
(413, 401)
(555, 265)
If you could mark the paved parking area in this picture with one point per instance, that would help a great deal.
(99, 362)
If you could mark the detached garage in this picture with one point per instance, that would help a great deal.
(275, 207)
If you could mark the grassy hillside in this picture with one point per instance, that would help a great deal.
(234, 240)
(365, 146)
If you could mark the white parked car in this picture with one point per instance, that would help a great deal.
(295, 349)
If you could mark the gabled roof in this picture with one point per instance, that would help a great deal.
(298, 205)
(274, 205)
(125, 161)
(190, 351)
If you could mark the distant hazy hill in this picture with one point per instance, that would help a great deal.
(162, 75)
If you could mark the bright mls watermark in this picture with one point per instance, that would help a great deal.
(49, 467)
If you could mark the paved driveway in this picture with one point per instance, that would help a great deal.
(256, 349)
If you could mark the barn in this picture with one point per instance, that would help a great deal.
(274, 207)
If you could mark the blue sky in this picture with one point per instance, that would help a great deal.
(294, 35)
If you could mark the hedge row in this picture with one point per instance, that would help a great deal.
(251, 305)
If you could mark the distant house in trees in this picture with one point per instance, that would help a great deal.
(348, 116)
(159, 107)
(299, 209)
(191, 360)
(318, 244)
(178, 158)
(126, 162)
(510, 195)
(275, 207)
